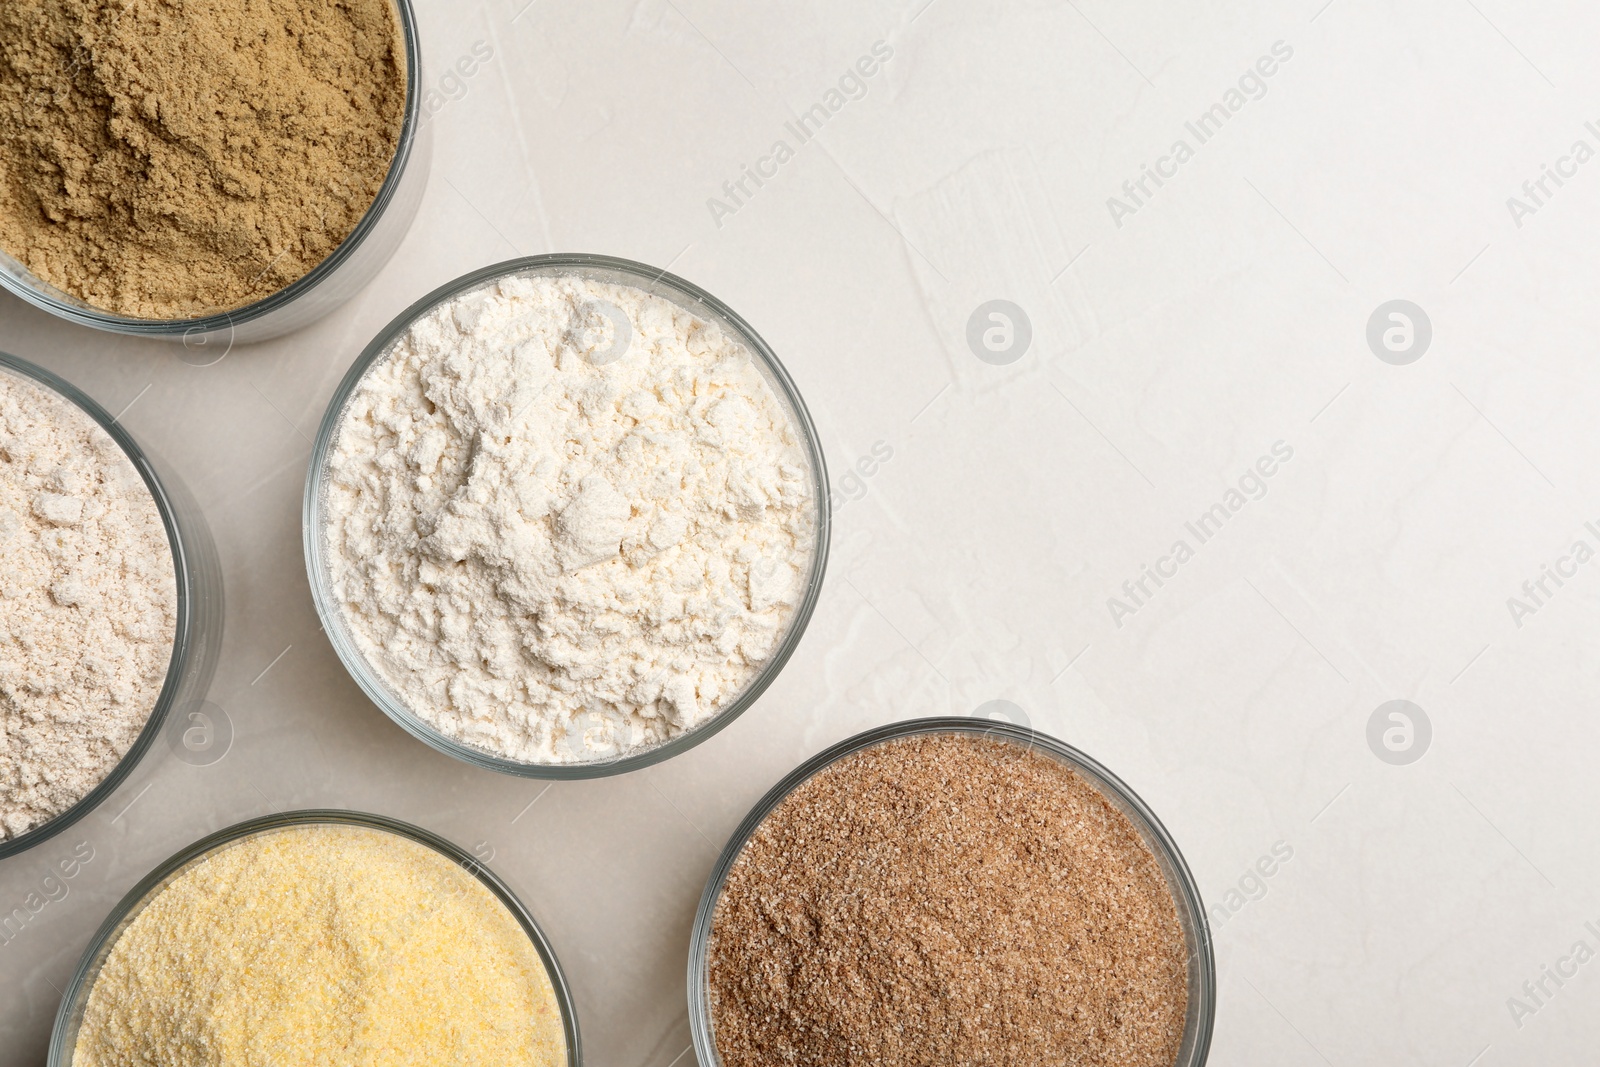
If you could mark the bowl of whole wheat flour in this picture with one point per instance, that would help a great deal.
(110, 605)
(566, 516)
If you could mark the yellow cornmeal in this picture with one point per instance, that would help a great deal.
(323, 945)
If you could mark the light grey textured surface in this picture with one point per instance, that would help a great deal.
(1227, 312)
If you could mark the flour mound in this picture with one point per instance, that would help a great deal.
(556, 553)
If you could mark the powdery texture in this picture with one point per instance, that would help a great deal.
(323, 945)
(171, 158)
(947, 900)
(88, 604)
(558, 558)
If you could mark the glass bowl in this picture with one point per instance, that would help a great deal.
(1202, 977)
(197, 636)
(596, 268)
(69, 1017)
(346, 270)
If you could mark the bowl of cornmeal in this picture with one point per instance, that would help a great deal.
(318, 937)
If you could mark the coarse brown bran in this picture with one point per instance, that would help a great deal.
(947, 899)
(166, 159)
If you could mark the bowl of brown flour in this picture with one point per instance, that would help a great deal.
(206, 171)
(945, 891)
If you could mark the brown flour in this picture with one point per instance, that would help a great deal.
(173, 158)
(947, 900)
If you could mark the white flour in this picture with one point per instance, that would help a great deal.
(88, 605)
(566, 519)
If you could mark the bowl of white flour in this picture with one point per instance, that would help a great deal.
(566, 516)
(110, 604)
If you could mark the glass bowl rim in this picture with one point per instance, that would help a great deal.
(37, 292)
(151, 885)
(184, 606)
(681, 292)
(1201, 1016)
